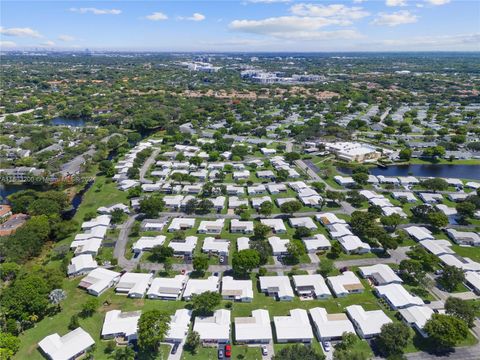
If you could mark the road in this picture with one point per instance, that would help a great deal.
(2, 118)
(146, 165)
(120, 245)
(73, 166)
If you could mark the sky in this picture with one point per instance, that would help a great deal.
(241, 26)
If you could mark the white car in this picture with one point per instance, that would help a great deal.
(327, 346)
(264, 350)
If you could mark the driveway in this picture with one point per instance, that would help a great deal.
(178, 354)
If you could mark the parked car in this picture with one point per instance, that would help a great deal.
(327, 346)
(228, 350)
(175, 348)
(220, 354)
(264, 350)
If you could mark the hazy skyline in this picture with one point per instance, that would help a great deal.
(251, 25)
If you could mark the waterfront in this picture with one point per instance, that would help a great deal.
(427, 170)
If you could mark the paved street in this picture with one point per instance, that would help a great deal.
(146, 165)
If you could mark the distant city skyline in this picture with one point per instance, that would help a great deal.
(236, 26)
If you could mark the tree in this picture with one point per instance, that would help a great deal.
(295, 249)
(89, 308)
(335, 250)
(161, 253)
(151, 206)
(335, 195)
(74, 323)
(355, 198)
(124, 353)
(9, 271)
(451, 278)
(193, 341)
(461, 309)
(465, 209)
(290, 207)
(291, 157)
(205, 206)
(245, 261)
(437, 219)
(263, 248)
(360, 178)
(391, 221)
(375, 210)
(266, 208)
(347, 349)
(298, 352)
(435, 184)
(206, 302)
(153, 325)
(393, 338)
(405, 154)
(9, 345)
(117, 216)
(412, 271)
(200, 263)
(260, 231)
(445, 331)
(326, 267)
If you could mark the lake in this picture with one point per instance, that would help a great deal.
(426, 170)
(8, 189)
(61, 121)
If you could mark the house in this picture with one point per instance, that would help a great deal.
(216, 246)
(268, 152)
(397, 296)
(98, 280)
(368, 324)
(253, 329)
(211, 227)
(191, 189)
(237, 290)
(417, 317)
(98, 232)
(450, 212)
(153, 224)
(302, 222)
(178, 326)
(89, 246)
(243, 243)
(234, 202)
(279, 246)
(134, 284)
(243, 227)
(466, 264)
(472, 279)
(408, 180)
(256, 189)
(181, 224)
(344, 180)
(457, 197)
(67, 347)
(438, 247)
(266, 174)
(277, 286)
(293, 328)
(276, 225)
(185, 247)
(81, 264)
(329, 219)
(388, 180)
(407, 196)
(199, 286)
(276, 188)
(235, 190)
(370, 194)
(312, 286)
(101, 220)
(419, 233)
(147, 243)
(241, 175)
(257, 202)
(352, 244)
(118, 324)
(167, 288)
(430, 198)
(218, 203)
(281, 201)
(330, 326)
(105, 210)
(339, 230)
(214, 329)
(316, 242)
(344, 284)
(380, 274)
(173, 201)
(464, 237)
(5, 212)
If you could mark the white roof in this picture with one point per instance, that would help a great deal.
(148, 242)
(199, 286)
(419, 233)
(417, 315)
(430, 197)
(315, 281)
(67, 346)
(279, 284)
(341, 284)
(473, 278)
(437, 247)
(465, 264)
(98, 279)
(209, 225)
(134, 283)
(339, 230)
(275, 224)
(330, 325)
(370, 194)
(404, 194)
(179, 324)
(179, 223)
(86, 246)
(302, 221)
(243, 243)
(220, 246)
(235, 202)
(293, 327)
(184, 246)
(167, 287)
(464, 236)
(447, 210)
(257, 201)
(216, 327)
(117, 322)
(281, 201)
(352, 242)
(241, 289)
(381, 272)
(369, 322)
(255, 327)
(95, 232)
(382, 202)
(246, 226)
(398, 296)
(473, 184)
(316, 241)
(278, 245)
(81, 263)
(329, 219)
(101, 220)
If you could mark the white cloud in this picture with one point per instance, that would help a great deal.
(437, 2)
(157, 16)
(48, 43)
(444, 42)
(194, 17)
(358, 1)
(336, 11)
(7, 44)
(396, 2)
(395, 19)
(66, 38)
(96, 11)
(20, 32)
(268, 1)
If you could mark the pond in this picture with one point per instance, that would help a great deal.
(426, 170)
(9, 189)
(61, 121)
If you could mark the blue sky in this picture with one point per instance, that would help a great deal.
(247, 25)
